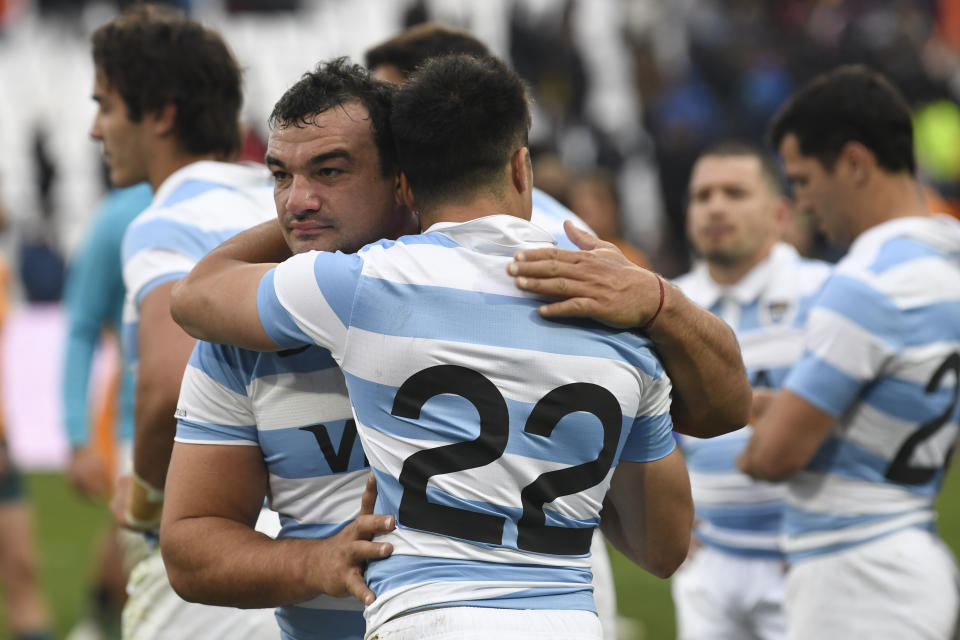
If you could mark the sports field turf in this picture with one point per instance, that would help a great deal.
(67, 527)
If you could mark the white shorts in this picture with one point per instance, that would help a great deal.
(480, 623)
(900, 586)
(719, 595)
(604, 594)
(155, 612)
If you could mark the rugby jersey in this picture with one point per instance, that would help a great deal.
(767, 310)
(195, 209)
(463, 397)
(882, 355)
(293, 406)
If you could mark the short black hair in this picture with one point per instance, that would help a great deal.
(849, 103)
(416, 45)
(733, 147)
(456, 123)
(153, 55)
(336, 83)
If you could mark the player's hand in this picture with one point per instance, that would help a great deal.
(88, 473)
(341, 560)
(597, 282)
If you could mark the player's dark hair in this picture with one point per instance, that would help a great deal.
(334, 84)
(849, 103)
(456, 123)
(416, 45)
(153, 55)
(741, 148)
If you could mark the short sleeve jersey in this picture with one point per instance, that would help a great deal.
(193, 211)
(292, 405)
(492, 433)
(882, 355)
(767, 310)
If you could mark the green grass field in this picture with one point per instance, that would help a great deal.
(68, 527)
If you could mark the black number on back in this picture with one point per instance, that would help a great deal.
(900, 469)
(532, 532)
(415, 510)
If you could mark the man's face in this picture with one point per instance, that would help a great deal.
(733, 215)
(817, 191)
(328, 187)
(123, 140)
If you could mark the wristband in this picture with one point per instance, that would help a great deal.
(144, 505)
(659, 306)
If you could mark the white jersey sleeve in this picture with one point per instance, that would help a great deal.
(852, 331)
(214, 407)
(308, 299)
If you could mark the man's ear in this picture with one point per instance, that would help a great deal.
(164, 120)
(404, 194)
(859, 161)
(521, 170)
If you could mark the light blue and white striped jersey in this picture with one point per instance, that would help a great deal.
(292, 405)
(767, 310)
(195, 209)
(492, 433)
(883, 357)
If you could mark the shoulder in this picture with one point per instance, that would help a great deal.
(228, 365)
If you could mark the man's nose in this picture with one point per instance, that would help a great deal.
(302, 197)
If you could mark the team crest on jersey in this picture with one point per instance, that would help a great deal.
(776, 312)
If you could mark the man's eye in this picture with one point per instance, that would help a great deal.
(329, 172)
(280, 176)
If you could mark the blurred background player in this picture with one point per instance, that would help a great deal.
(334, 166)
(176, 128)
(527, 577)
(732, 583)
(866, 422)
(25, 606)
(94, 296)
(593, 196)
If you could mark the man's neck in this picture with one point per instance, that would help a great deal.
(163, 165)
(730, 274)
(478, 207)
(891, 196)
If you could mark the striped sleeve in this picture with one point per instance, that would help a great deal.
(853, 330)
(308, 299)
(214, 407)
(651, 436)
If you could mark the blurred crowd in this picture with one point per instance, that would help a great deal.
(628, 92)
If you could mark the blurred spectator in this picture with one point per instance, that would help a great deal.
(94, 300)
(592, 195)
(26, 612)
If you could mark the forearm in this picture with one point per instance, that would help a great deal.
(154, 428)
(257, 572)
(205, 302)
(701, 355)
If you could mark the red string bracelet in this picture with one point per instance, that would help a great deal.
(659, 306)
